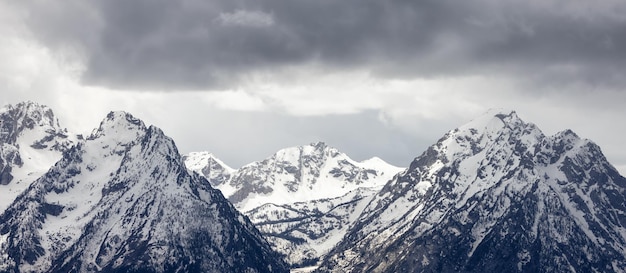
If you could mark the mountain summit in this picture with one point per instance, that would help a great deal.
(121, 200)
(303, 173)
(31, 141)
(494, 195)
(294, 174)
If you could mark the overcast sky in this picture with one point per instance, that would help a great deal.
(244, 78)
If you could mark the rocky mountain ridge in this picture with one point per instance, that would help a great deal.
(494, 195)
(295, 174)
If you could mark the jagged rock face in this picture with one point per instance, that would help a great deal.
(495, 195)
(22, 117)
(31, 141)
(9, 158)
(122, 201)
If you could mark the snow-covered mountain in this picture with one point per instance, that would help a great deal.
(305, 231)
(302, 199)
(495, 195)
(31, 141)
(209, 166)
(295, 174)
(121, 200)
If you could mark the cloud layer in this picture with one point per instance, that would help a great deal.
(384, 78)
(216, 44)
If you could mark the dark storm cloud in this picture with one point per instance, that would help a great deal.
(201, 44)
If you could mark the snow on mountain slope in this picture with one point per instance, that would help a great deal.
(306, 231)
(303, 199)
(31, 141)
(378, 164)
(303, 173)
(213, 169)
(122, 201)
(495, 195)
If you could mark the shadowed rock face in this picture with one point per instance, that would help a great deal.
(122, 201)
(9, 157)
(495, 195)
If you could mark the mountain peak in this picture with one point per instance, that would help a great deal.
(209, 166)
(374, 160)
(493, 120)
(314, 148)
(497, 126)
(40, 113)
(303, 173)
(121, 125)
(122, 201)
(317, 150)
(568, 135)
(121, 118)
(14, 119)
(320, 145)
(504, 114)
(494, 195)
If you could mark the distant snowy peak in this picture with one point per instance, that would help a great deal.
(494, 195)
(303, 199)
(122, 127)
(31, 141)
(15, 119)
(377, 163)
(197, 159)
(302, 173)
(500, 116)
(314, 152)
(209, 166)
(28, 124)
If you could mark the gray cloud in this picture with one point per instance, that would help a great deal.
(569, 48)
(198, 44)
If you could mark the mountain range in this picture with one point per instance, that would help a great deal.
(495, 194)
(301, 198)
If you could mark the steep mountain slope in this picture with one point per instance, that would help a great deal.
(302, 199)
(31, 141)
(122, 201)
(495, 195)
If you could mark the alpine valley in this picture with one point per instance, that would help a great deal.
(494, 195)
